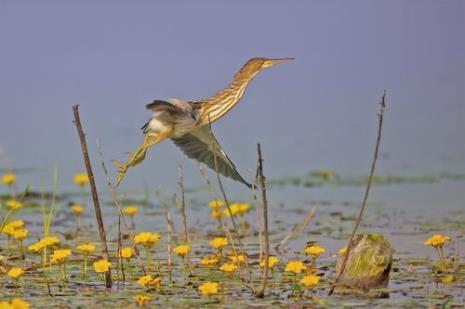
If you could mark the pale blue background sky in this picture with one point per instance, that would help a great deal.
(113, 57)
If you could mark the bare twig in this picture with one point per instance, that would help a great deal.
(170, 229)
(184, 217)
(183, 205)
(224, 226)
(296, 229)
(220, 183)
(365, 197)
(117, 203)
(93, 188)
(262, 180)
(120, 247)
(259, 220)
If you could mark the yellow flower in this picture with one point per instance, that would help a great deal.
(81, 179)
(11, 227)
(5, 305)
(130, 211)
(148, 280)
(216, 204)
(147, 238)
(50, 241)
(126, 253)
(14, 204)
(208, 288)
(60, 255)
(314, 251)
(18, 303)
(141, 299)
(16, 224)
(234, 210)
(237, 259)
(219, 242)
(272, 260)
(20, 234)
(182, 250)
(37, 247)
(77, 209)
(310, 280)
(15, 272)
(295, 267)
(8, 179)
(437, 240)
(101, 266)
(228, 267)
(325, 173)
(216, 214)
(144, 280)
(208, 261)
(243, 208)
(86, 248)
(342, 251)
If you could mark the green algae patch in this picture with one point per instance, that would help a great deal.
(369, 263)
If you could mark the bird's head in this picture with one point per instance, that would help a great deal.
(263, 63)
(254, 65)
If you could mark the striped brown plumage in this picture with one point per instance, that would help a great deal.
(186, 123)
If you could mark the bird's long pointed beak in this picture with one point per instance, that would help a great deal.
(270, 62)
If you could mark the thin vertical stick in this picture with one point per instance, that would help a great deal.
(120, 248)
(184, 217)
(183, 205)
(365, 197)
(170, 230)
(259, 220)
(224, 226)
(120, 209)
(296, 229)
(262, 181)
(93, 188)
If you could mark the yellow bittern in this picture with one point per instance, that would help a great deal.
(187, 123)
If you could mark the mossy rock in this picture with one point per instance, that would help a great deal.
(369, 263)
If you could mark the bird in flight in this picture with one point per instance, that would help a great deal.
(187, 123)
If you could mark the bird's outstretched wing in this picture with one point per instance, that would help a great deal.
(202, 146)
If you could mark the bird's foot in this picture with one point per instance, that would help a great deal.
(134, 159)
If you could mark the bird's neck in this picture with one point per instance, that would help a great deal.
(219, 104)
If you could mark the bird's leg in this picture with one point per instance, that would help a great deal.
(139, 155)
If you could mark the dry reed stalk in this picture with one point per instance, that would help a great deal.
(296, 229)
(93, 188)
(170, 230)
(365, 196)
(184, 216)
(183, 204)
(262, 180)
(117, 203)
(259, 220)
(225, 228)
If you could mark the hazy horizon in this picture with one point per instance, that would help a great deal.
(319, 111)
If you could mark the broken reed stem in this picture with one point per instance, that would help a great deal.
(170, 228)
(93, 188)
(120, 247)
(225, 228)
(183, 205)
(220, 183)
(259, 220)
(119, 208)
(295, 230)
(262, 181)
(184, 216)
(365, 196)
